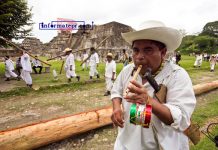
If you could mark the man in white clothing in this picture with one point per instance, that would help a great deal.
(26, 69)
(198, 61)
(93, 63)
(9, 68)
(110, 73)
(70, 65)
(37, 64)
(86, 63)
(169, 119)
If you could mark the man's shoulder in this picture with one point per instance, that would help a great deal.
(128, 68)
(171, 68)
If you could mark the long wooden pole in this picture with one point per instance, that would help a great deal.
(36, 135)
(14, 45)
(95, 49)
(45, 132)
(79, 50)
(62, 65)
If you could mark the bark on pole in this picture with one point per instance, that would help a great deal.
(36, 135)
(45, 132)
(205, 87)
(18, 48)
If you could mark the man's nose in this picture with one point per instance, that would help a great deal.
(141, 55)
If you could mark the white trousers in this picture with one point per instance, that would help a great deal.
(212, 66)
(93, 71)
(25, 75)
(85, 65)
(70, 73)
(109, 84)
(198, 63)
(10, 73)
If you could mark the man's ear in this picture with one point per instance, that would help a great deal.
(163, 52)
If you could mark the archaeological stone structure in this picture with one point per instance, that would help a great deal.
(82, 39)
(33, 45)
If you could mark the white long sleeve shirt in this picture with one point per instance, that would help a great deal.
(36, 62)
(25, 62)
(70, 61)
(110, 68)
(9, 65)
(94, 59)
(180, 100)
(85, 56)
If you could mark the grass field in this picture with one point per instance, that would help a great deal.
(20, 105)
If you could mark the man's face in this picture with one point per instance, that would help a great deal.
(148, 54)
(92, 51)
(67, 53)
(109, 58)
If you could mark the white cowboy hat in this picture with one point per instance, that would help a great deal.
(67, 50)
(110, 54)
(156, 30)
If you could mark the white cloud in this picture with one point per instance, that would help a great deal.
(190, 15)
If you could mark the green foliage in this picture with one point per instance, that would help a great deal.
(207, 41)
(15, 16)
(211, 29)
(199, 44)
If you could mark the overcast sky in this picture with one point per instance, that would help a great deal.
(190, 15)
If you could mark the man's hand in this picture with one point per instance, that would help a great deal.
(112, 78)
(117, 117)
(137, 93)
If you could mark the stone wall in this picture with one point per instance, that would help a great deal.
(80, 40)
(33, 45)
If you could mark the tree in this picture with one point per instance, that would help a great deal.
(15, 19)
(210, 29)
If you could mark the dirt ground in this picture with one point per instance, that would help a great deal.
(19, 110)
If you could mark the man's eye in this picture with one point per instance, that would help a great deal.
(148, 51)
(135, 50)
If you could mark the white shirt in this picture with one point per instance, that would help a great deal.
(94, 59)
(110, 68)
(85, 56)
(9, 65)
(180, 100)
(25, 62)
(199, 57)
(69, 62)
(36, 62)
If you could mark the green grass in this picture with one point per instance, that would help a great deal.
(204, 113)
(46, 79)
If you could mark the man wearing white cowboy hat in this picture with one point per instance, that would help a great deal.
(110, 73)
(70, 65)
(169, 119)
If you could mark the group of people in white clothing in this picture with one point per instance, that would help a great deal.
(92, 61)
(199, 59)
(25, 65)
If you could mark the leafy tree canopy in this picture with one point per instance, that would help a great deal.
(15, 19)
